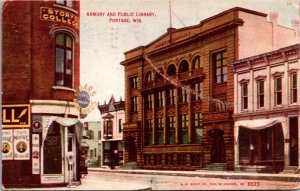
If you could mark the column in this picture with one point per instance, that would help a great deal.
(286, 132)
(236, 148)
(176, 115)
(190, 132)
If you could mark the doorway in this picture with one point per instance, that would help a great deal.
(294, 141)
(131, 148)
(217, 149)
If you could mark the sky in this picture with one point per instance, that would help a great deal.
(103, 42)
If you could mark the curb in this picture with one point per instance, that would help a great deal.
(209, 174)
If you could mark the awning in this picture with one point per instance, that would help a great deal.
(257, 124)
(66, 122)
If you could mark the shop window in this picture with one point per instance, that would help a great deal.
(134, 104)
(170, 97)
(68, 3)
(278, 90)
(244, 95)
(294, 88)
(197, 63)
(184, 121)
(260, 94)
(159, 99)
(171, 130)
(220, 67)
(64, 60)
(160, 130)
(148, 132)
(148, 101)
(198, 128)
(133, 82)
(183, 94)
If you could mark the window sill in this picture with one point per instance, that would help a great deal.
(63, 88)
(65, 7)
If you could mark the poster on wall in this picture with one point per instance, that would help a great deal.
(7, 144)
(21, 144)
(35, 154)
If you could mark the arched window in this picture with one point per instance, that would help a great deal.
(149, 76)
(158, 75)
(184, 66)
(171, 70)
(197, 63)
(64, 60)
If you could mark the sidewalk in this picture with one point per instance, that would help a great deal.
(208, 174)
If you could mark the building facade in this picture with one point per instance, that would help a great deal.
(112, 115)
(91, 137)
(179, 96)
(266, 112)
(40, 54)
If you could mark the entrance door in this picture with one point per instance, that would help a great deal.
(131, 149)
(53, 150)
(217, 151)
(294, 141)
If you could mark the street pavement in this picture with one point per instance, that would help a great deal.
(106, 179)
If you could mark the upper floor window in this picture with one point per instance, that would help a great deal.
(171, 71)
(108, 129)
(170, 97)
(198, 87)
(198, 129)
(220, 67)
(278, 90)
(148, 101)
(183, 66)
(149, 76)
(183, 94)
(120, 125)
(260, 94)
(160, 130)
(64, 60)
(171, 130)
(184, 124)
(68, 3)
(134, 104)
(294, 88)
(159, 99)
(196, 63)
(133, 82)
(244, 96)
(148, 132)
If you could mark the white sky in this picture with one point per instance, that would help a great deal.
(102, 44)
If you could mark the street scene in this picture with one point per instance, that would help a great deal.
(140, 95)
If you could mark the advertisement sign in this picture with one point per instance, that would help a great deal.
(35, 154)
(16, 116)
(7, 144)
(21, 144)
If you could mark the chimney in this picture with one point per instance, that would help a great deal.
(274, 20)
(274, 17)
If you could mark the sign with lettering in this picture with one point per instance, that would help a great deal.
(7, 145)
(35, 154)
(16, 116)
(58, 15)
(21, 144)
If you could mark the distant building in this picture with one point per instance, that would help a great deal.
(112, 115)
(91, 143)
(40, 65)
(179, 89)
(266, 111)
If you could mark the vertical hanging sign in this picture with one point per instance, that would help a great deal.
(21, 144)
(35, 154)
(7, 144)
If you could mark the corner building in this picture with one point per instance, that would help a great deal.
(40, 54)
(179, 99)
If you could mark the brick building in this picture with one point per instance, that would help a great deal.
(40, 54)
(267, 111)
(179, 96)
